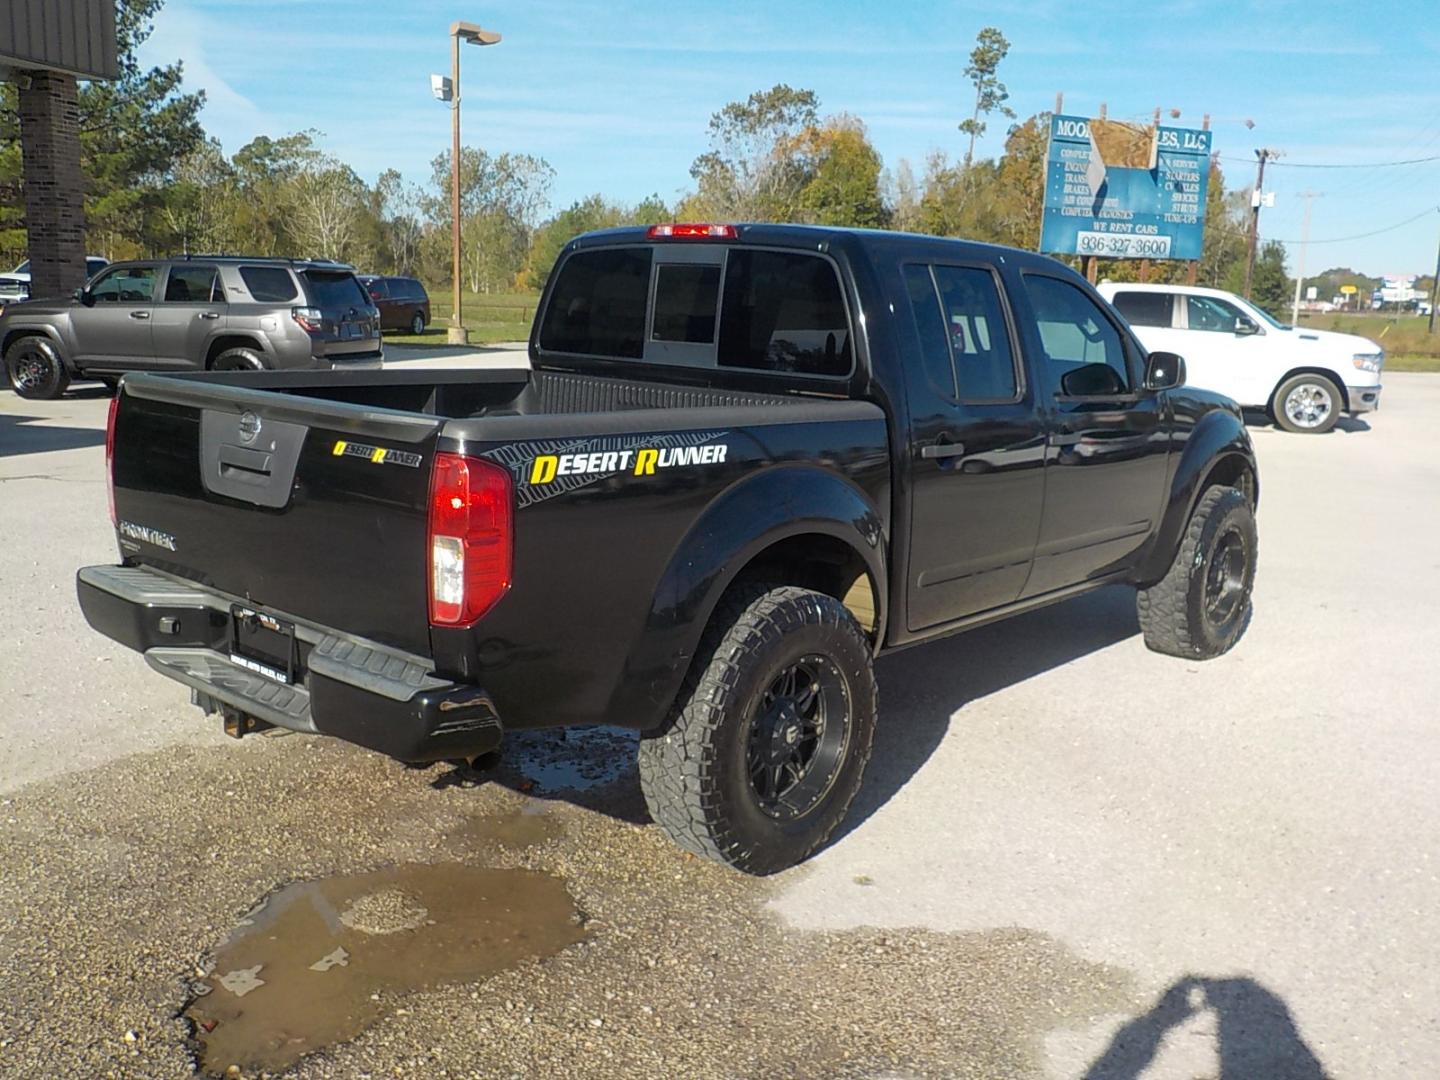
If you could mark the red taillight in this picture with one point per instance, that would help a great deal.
(471, 538)
(110, 457)
(310, 319)
(692, 230)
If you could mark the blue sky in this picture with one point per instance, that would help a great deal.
(616, 96)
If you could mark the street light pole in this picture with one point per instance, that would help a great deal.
(471, 33)
(457, 334)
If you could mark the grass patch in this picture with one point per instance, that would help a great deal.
(490, 318)
(1408, 344)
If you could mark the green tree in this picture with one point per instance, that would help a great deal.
(842, 176)
(501, 198)
(991, 47)
(588, 214)
(752, 170)
(1270, 287)
(134, 131)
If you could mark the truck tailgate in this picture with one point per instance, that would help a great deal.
(304, 506)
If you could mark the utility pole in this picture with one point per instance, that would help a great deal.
(1309, 197)
(1255, 199)
(1434, 291)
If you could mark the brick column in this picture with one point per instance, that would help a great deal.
(54, 186)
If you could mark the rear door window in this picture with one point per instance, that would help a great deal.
(268, 284)
(331, 290)
(783, 311)
(598, 305)
(1146, 308)
(979, 335)
(191, 285)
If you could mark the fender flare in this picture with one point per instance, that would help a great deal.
(1218, 442)
(752, 515)
(48, 332)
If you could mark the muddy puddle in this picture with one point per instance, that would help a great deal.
(320, 961)
(573, 759)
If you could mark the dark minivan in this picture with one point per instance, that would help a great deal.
(403, 302)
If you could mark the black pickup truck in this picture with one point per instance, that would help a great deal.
(747, 460)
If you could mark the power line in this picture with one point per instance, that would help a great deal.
(1362, 236)
(1355, 164)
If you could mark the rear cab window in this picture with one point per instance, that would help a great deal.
(702, 305)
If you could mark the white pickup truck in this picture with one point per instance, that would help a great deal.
(1305, 378)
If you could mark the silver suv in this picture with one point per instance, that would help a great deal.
(217, 313)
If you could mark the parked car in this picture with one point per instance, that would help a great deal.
(1305, 378)
(195, 313)
(403, 302)
(748, 459)
(16, 284)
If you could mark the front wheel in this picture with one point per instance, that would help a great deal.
(1199, 609)
(35, 370)
(1307, 404)
(768, 743)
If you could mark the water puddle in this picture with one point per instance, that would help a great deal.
(320, 961)
(572, 759)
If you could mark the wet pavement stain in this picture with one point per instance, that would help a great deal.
(572, 759)
(319, 961)
(519, 829)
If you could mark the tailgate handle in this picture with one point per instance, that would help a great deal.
(249, 457)
(246, 466)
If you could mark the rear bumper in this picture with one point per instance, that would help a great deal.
(1363, 398)
(353, 689)
(365, 361)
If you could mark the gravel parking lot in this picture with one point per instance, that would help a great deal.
(1073, 858)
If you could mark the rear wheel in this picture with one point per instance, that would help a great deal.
(1307, 404)
(766, 749)
(35, 370)
(417, 323)
(1200, 608)
(239, 359)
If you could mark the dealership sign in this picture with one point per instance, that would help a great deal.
(1123, 191)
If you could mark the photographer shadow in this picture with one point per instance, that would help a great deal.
(1255, 1037)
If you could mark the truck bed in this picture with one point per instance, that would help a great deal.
(320, 517)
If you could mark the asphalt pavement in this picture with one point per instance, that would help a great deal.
(1073, 858)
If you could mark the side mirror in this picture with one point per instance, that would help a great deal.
(1164, 371)
(1245, 326)
(85, 296)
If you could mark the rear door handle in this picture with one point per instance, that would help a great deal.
(141, 314)
(943, 450)
(208, 315)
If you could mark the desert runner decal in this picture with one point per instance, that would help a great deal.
(545, 469)
(376, 454)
